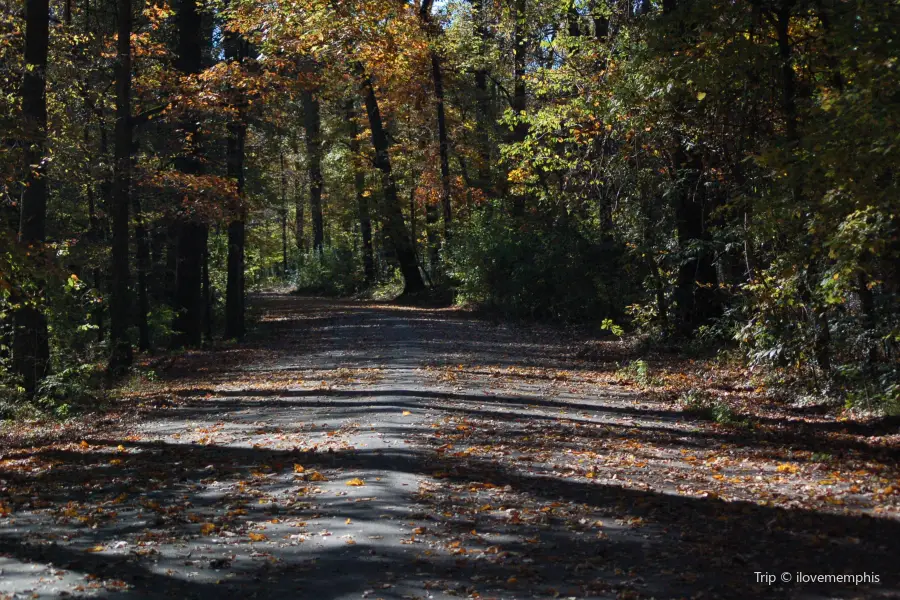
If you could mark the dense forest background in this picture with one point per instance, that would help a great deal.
(706, 173)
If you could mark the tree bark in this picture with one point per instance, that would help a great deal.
(437, 78)
(299, 217)
(284, 221)
(520, 129)
(821, 326)
(443, 141)
(143, 269)
(483, 111)
(207, 292)
(120, 346)
(696, 295)
(192, 233)
(235, 302)
(362, 202)
(190, 251)
(391, 213)
(312, 123)
(31, 343)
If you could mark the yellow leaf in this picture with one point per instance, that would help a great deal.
(406, 413)
(298, 469)
(316, 476)
(84, 445)
(121, 448)
(257, 537)
(348, 521)
(356, 482)
(207, 528)
(701, 95)
(97, 548)
(787, 468)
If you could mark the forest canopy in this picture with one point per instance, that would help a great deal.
(705, 173)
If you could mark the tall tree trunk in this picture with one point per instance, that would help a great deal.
(192, 233)
(96, 272)
(822, 329)
(299, 217)
(696, 287)
(190, 251)
(235, 302)
(391, 213)
(520, 129)
(696, 292)
(142, 239)
(312, 123)
(362, 202)
(284, 221)
(120, 301)
(31, 344)
(207, 293)
(483, 110)
(437, 75)
(437, 78)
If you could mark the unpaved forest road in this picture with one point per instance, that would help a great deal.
(492, 466)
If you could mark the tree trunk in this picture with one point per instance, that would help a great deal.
(696, 296)
(696, 291)
(207, 293)
(283, 212)
(443, 142)
(235, 302)
(484, 113)
(312, 123)
(391, 213)
(31, 344)
(520, 129)
(362, 202)
(96, 272)
(821, 326)
(437, 78)
(192, 234)
(143, 270)
(299, 217)
(120, 301)
(189, 284)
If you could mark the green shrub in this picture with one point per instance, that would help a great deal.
(637, 371)
(71, 390)
(704, 405)
(337, 271)
(539, 268)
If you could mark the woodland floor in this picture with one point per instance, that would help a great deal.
(359, 450)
